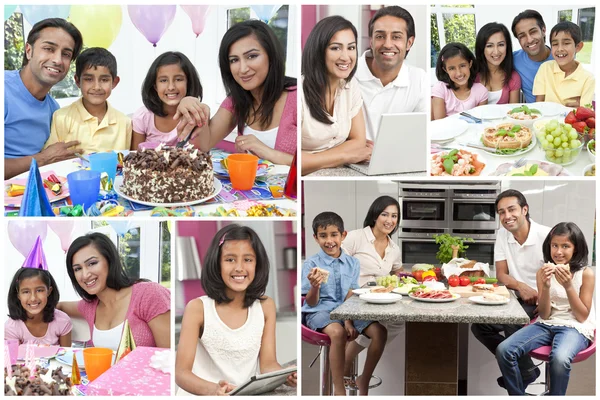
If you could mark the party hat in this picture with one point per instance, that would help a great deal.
(127, 343)
(75, 374)
(36, 257)
(35, 200)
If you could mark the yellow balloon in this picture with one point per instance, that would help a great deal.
(99, 25)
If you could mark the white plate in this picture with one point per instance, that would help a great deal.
(551, 168)
(516, 153)
(119, 182)
(361, 291)
(489, 111)
(443, 130)
(482, 300)
(454, 297)
(549, 109)
(380, 298)
(404, 289)
(586, 169)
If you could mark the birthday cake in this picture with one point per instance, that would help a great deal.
(46, 382)
(168, 175)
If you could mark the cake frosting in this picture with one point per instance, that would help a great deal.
(46, 382)
(168, 175)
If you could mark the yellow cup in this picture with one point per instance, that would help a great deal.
(97, 361)
(242, 170)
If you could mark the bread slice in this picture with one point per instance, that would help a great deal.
(520, 139)
(483, 287)
(324, 273)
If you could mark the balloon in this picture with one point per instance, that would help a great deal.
(152, 21)
(198, 16)
(121, 227)
(24, 232)
(34, 14)
(266, 12)
(99, 25)
(63, 228)
(8, 11)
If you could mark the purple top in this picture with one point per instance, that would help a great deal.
(514, 83)
(454, 105)
(143, 122)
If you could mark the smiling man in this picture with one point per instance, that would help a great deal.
(52, 44)
(387, 84)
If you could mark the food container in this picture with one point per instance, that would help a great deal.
(524, 122)
(591, 150)
(563, 156)
(589, 170)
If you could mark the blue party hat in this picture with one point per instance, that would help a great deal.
(35, 200)
(36, 257)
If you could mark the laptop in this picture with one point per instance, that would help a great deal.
(400, 146)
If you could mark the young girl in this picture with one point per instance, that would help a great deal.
(32, 300)
(228, 333)
(456, 91)
(566, 319)
(170, 78)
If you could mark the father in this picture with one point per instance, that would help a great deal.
(517, 255)
(387, 84)
(529, 28)
(51, 46)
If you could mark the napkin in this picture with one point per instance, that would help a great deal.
(161, 361)
(35, 200)
(453, 267)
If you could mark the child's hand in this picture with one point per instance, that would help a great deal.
(573, 102)
(292, 379)
(315, 278)
(546, 273)
(350, 330)
(564, 277)
(223, 388)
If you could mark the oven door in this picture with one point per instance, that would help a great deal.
(473, 214)
(482, 251)
(423, 213)
(416, 251)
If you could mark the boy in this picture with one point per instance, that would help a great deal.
(564, 80)
(91, 120)
(328, 278)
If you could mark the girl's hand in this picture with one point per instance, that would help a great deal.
(223, 388)
(292, 379)
(315, 278)
(564, 277)
(546, 273)
(350, 330)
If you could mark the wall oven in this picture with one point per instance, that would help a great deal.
(424, 206)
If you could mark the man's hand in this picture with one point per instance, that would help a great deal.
(58, 152)
(315, 278)
(527, 294)
(350, 330)
(223, 388)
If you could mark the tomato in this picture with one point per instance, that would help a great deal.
(429, 278)
(571, 118)
(418, 275)
(464, 281)
(453, 281)
(480, 280)
(495, 284)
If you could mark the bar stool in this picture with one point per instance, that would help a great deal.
(322, 340)
(351, 385)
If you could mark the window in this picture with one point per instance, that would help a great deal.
(165, 254)
(585, 18)
(451, 23)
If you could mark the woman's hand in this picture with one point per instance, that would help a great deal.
(292, 379)
(223, 388)
(251, 143)
(563, 276)
(361, 154)
(191, 114)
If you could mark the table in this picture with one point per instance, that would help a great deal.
(347, 171)
(492, 162)
(433, 354)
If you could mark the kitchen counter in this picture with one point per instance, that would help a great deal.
(346, 171)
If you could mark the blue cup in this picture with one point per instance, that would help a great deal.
(104, 162)
(84, 187)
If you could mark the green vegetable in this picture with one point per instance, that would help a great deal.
(535, 111)
(516, 128)
(448, 165)
(487, 280)
(510, 134)
(501, 132)
(446, 241)
(516, 110)
(529, 172)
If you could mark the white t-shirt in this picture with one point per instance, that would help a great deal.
(267, 137)
(523, 260)
(109, 338)
(493, 97)
(405, 94)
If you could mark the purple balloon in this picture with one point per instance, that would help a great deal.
(24, 232)
(198, 16)
(152, 21)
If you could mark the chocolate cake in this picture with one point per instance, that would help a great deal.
(168, 175)
(45, 382)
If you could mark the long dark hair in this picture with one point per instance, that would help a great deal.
(275, 82)
(506, 65)
(452, 50)
(314, 69)
(575, 236)
(16, 310)
(378, 206)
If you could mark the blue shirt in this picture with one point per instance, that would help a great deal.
(26, 119)
(527, 68)
(343, 276)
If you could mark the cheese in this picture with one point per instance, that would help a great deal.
(521, 170)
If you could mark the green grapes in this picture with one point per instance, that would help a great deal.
(388, 280)
(561, 142)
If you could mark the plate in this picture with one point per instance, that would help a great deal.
(67, 359)
(444, 130)
(516, 153)
(480, 159)
(380, 298)
(404, 289)
(549, 109)
(361, 291)
(489, 111)
(262, 169)
(454, 297)
(587, 168)
(119, 183)
(483, 301)
(551, 168)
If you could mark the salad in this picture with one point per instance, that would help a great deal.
(456, 163)
(524, 113)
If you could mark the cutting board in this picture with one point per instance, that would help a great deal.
(467, 291)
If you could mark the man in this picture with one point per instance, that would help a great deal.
(51, 46)
(529, 28)
(387, 84)
(517, 256)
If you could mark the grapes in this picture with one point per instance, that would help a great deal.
(388, 280)
(561, 142)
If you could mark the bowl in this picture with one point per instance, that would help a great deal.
(561, 155)
(525, 122)
(591, 150)
(589, 170)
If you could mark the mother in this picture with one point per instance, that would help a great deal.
(110, 297)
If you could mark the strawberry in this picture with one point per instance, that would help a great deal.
(591, 134)
(583, 113)
(580, 126)
(591, 122)
(571, 118)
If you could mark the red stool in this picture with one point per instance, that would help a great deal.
(322, 340)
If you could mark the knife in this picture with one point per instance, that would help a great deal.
(476, 146)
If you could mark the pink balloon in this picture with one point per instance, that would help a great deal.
(24, 232)
(152, 21)
(63, 229)
(198, 16)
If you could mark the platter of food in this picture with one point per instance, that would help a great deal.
(456, 162)
(508, 139)
(434, 296)
(544, 168)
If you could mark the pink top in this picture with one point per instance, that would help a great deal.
(143, 123)
(148, 300)
(16, 329)
(478, 94)
(287, 133)
(514, 83)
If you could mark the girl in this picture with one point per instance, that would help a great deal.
(333, 125)
(493, 49)
(261, 100)
(566, 319)
(109, 296)
(228, 333)
(170, 78)
(32, 300)
(456, 91)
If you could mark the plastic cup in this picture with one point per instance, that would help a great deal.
(242, 170)
(84, 187)
(97, 361)
(105, 162)
(13, 350)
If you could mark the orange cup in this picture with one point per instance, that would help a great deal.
(97, 361)
(242, 170)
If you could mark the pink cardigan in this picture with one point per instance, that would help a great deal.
(148, 300)
(514, 83)
(286, 140)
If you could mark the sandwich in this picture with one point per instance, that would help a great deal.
(323, 272)
(565, 266)
(493, 297)
(483, 288)
(387, 289)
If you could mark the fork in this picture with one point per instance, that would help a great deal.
(520, 162)
(475, 119)
(184, 141)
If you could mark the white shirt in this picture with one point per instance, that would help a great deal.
(359, 243)
(523, 260)
(407, 93)
(109, 338)
(493, 97)
(267, 137)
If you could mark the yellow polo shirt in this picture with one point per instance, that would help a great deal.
(74, 122)
(550, 81)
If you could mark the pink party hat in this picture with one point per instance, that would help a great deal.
(36, 257)
(35, 201)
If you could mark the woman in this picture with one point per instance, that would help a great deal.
(109, 296)
(379, 255)
(261, 100)
(333, 125)
(493, 50)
